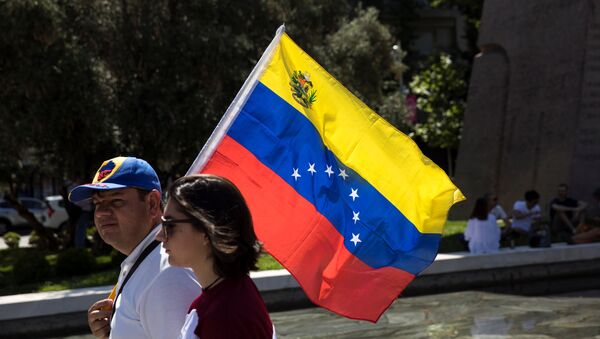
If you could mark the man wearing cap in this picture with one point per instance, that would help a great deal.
(151, 297)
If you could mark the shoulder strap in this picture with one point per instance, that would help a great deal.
(137, 263)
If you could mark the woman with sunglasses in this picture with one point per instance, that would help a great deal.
(207, 226)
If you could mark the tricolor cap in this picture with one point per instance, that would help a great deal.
(119, 172)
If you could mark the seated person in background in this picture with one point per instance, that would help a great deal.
(565, 212)
(589, 230)
(496, 210)
(482, 232)
(524, 213)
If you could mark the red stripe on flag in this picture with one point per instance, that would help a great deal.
(305, 242)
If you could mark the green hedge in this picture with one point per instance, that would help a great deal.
(31, 266)
(74, 261)
(11, 239)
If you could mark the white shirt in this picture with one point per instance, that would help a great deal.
(155, 300)
(498, 212)
(483, 235)
(525, 223)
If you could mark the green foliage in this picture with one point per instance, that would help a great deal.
(34, 239)
(441, 90)
(74, 261)
(360, 56)
(472, 10)
(83, 81)
(308, 21)
(89, 232)
(104, 274)
(31, 266)
(50, 89)
(454, 227)
(452, 237)
(11, 239)
(116, 258)
(267, 262)
(108, 277)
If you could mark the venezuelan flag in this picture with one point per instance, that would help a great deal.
(341, 198)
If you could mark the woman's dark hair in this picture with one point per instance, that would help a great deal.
(531, 195)
(480, 210)
(223, 215)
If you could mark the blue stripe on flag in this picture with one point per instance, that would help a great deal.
(270, 128)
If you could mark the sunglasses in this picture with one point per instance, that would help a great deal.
(169, 224)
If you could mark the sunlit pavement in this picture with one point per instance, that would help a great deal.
(455, 315)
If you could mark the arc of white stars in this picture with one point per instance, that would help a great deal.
(355, 216)
(343, 174)
(354, 193)
(355, 238)
(296, 175)
(311, 168)
(329, 171)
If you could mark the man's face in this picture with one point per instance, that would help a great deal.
(122, 218)
(492, 201)
(562, 192)
(531, 203)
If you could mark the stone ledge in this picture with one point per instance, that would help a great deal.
(506, 257)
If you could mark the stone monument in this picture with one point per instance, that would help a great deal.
(533, 111)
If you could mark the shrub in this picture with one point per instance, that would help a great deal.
(74, 261)
(116, 258)
(90, 231)
(99, 247)
(31, 266)
(12, 239)
(34, 239)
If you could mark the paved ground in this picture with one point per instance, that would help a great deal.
(455, 315)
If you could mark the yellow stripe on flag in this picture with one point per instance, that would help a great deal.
(365, 142)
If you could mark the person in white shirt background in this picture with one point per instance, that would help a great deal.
(496, 209)
(482, 232)
(151, 298)
(525, 212)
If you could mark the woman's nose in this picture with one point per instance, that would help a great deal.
(160, 236)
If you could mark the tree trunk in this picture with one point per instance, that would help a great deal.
(47, 239)
(450, 163)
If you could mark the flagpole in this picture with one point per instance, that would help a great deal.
(234, 108)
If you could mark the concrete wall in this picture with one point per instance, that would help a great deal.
(533, 111)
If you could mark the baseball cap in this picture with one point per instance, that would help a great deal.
(115, 173)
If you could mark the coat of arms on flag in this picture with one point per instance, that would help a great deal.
(302, 89)
(343, 200)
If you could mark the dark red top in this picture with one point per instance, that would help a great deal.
(232, 309)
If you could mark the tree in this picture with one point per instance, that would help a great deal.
(360, 55)
(82, 81)
(472, 10)
(52, 90)
(52, 98)
(441, 91)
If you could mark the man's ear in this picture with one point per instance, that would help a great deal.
(154, 203)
